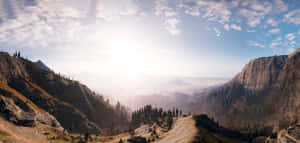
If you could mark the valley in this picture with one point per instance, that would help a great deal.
(259, 105)
(149, 71)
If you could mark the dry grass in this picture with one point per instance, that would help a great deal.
(3, 133)
(20, 96)
(46, 93)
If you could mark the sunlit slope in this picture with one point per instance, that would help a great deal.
(74, 105)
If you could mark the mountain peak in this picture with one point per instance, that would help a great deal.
(42, 66)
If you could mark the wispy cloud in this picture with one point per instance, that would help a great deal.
(256, 44)
(272, 22)
(39, 24)
(276, 42)
(169, 16)
(218, 32)
(171, 26)
(38, 20)
(227, 27)
(293, 17)
(290, 36)
(274, 31)
(236, 27)
(232, 26)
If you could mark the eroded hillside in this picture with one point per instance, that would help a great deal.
(30, 94)
(265, 96)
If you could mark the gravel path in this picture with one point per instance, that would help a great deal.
(184, 130)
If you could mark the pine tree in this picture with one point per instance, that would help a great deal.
(86, 137)
(121, 141)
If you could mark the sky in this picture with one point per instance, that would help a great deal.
(104, 43)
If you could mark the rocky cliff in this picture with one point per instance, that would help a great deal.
(30, 94)
(264, 95)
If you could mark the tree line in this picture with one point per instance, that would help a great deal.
(150, 115)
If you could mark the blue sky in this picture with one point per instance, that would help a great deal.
(135, 38)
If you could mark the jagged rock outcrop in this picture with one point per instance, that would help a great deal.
(261, 73)
(73, 105)
(21, 111)
(262, 96)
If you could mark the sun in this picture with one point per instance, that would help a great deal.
(126, 56)
(127, 50)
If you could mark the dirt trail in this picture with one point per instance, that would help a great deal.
(184, 130)
(14, 133)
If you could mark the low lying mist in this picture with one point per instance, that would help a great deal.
(137, 91)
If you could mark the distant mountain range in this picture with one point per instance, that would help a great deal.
(264, 95)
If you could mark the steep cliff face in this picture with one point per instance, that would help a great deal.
(264, 94)
(73, 105)
(261, 73)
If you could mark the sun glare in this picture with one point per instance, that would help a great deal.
(125, 56)
(130, 52)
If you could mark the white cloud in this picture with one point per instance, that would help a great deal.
(293, 43)
(279, 38)
(49, 23)
(193, 11)
(275, 44)
(169, 16)
(252, 13)
(290, 36)
(236, 27)
(52, 18)
(255, 44)
(170, 13)
(227, 27)
(210, 10)
(253, 17)
(272, 22)
(256, 12)
(274, 31)
(280, 6)
(171, 26)
(293, 17)
(218, 32)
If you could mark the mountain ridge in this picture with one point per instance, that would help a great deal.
(74, 106)
(262, 96)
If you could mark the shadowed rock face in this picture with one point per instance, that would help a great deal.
(72, 104)
(265, 93)
(21, 111)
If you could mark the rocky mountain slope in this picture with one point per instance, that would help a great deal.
(265, 95)
(29, 94)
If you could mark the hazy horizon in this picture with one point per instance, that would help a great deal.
(122, 45)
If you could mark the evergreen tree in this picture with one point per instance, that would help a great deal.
(121, 141)
(86, 137)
